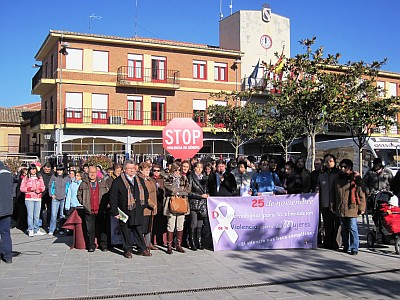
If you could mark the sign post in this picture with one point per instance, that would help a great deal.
(182, 138)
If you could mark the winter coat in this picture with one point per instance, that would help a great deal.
(72, 195)
(183, 190)
(345, 207)
(33, 187)
(264, 182)
(213, 186)
(242, 181)
(293, 183)
(58, 186)
(378, 181)
(46, 179)
(197, 187)
(326, 186)
(119, 199)
(160, 193)
(306, 179)
(6, 188)
(151, 186)
(84, 191)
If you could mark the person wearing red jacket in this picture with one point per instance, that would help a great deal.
(33, 187)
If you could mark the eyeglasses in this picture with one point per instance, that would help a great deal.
(156, 170)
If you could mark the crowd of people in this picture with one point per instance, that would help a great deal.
(138, 196)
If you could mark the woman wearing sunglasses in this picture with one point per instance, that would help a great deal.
(350, 202)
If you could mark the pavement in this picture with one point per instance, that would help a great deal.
(48, 269)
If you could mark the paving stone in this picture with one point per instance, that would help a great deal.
(104, 292)
(104, 282)
(9, 293)
(44, 276)
(39, 287)
(72, 290)
(69, 280)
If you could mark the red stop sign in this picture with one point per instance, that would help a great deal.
(182, 138)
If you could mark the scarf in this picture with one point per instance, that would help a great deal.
(176, 181)
(354, 197)
(131, 198)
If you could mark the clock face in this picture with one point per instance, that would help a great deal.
(266, 41)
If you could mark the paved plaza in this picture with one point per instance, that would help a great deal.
(48, 269)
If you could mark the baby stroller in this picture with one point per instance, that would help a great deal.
(386, 218)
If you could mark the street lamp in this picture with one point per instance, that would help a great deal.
(47, 136)
(235, 68)
(63, 51)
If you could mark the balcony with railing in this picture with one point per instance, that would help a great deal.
(42, 82)
(112, 118)
(148, 77)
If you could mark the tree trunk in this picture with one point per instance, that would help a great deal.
(237, 146)
(310, 151)
(285, 147)
(360, 169)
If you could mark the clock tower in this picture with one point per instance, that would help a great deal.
(258, 34)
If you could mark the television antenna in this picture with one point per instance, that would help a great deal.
(93, 17)
(221, 15)
(136, 18)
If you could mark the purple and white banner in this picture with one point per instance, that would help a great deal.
(264, 222)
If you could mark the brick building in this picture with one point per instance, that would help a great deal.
(106, 94)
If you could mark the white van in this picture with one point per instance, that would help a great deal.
(386, 148)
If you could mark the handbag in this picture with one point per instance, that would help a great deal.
(195, 204)
(203, 209)
(199, 206)
(178, 205)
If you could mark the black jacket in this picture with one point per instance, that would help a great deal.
(119, 199)
(228, 185)
(294, 183)
(198, 186)
(6, 188)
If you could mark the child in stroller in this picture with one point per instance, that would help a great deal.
(386, 217)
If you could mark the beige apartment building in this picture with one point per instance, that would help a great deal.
(107, 94)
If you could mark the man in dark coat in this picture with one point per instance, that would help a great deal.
(6, 210)
(215, 180)
(129, 194)
(327, 202)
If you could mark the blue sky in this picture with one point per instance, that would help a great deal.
(358, 29)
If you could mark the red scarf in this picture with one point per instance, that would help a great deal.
(354, 197)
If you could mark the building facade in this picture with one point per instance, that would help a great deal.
(106, 94)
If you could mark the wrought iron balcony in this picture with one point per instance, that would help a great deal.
(113, 118)
(36, 79)
(148, 77)
(43, 81)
